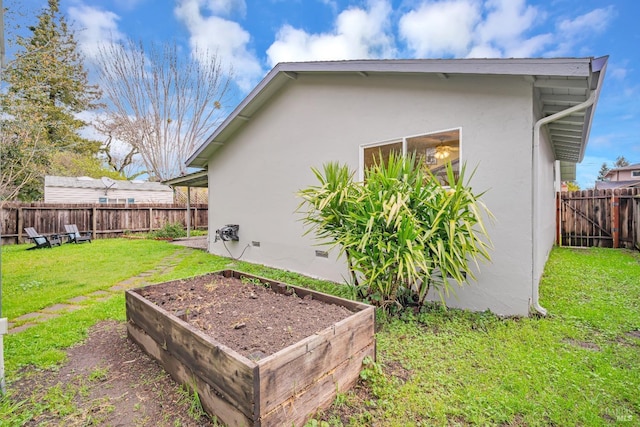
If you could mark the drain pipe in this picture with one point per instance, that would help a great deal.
(535, 303)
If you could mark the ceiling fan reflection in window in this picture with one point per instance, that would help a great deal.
(443, 151)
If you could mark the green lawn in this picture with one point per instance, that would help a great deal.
(32, 280)
(578, 366)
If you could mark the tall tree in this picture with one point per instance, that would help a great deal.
(161, 102)
(23, 153)
(621, 162)
(604, 169)
(47, 86)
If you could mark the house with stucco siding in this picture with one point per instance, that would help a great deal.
(83, 189)
(523, 123)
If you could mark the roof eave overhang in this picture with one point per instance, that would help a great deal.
(554, 70)
(569, 134)
(195, 179)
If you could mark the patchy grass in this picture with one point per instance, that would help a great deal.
(578, 366)
(43, 346)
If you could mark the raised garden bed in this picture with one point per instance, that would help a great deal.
(270, 378)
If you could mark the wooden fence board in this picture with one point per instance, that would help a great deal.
(102, 220)
(604, 218)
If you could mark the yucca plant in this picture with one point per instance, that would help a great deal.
(401, 231)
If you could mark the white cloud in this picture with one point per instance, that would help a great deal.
(473, 28)
(617, 72)
(484, 51)
(96, 27)
(505, 21)
(225, 38)
(595, 21)
(440, 29)
(503, 30)
(572, 31)
(357, 34)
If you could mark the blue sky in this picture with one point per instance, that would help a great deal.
(253, 36)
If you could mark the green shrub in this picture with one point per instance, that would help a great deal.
(402, 232)
(169, 231)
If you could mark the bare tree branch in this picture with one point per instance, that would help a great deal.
(160, 102)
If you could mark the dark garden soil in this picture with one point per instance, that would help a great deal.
(113, 382)
(247, 317)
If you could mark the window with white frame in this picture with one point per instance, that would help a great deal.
(436, 149)
(116, 200)
(635, 174)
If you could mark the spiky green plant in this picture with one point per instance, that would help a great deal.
(401, 230)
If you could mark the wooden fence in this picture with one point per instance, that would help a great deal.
(102, 220)
(605, 218)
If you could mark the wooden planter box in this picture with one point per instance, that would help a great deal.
(282, 389)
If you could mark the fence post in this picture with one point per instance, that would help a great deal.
(150, 220)
(615, 219)
(20, 225)
(94, 222)
(188, 213)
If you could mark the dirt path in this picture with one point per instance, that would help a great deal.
(107, 381)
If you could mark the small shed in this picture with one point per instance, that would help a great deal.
(63, 189)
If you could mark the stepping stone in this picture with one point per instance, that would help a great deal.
(99, 294)
(21, 328)
(79, 299)
(29, 316)
(60, 307)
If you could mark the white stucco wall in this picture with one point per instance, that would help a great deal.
(93, 195)
(255, 175)
(546, 207)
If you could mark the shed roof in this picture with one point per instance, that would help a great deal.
(195, 179)
(558, 83)
(87, 182)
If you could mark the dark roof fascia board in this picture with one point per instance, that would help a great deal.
(186, 180)
(282, 72)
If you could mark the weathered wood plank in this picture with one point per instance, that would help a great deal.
(586, 217)
(182, 374)
(103, 220)
(296, 367)
(284, 388)
(318, 395)
(226, 371)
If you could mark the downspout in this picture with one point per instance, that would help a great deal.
(535, 303)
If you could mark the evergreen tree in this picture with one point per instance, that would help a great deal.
(621, 162)
(604, 169)
(47, 86)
